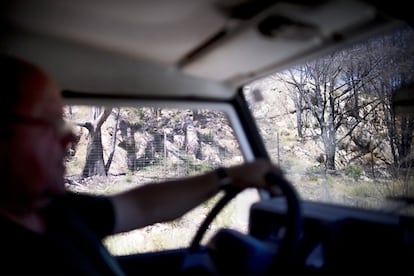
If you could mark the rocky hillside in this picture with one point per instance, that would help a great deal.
(171, 142)
(168, 140)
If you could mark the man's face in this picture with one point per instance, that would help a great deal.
(37, 148)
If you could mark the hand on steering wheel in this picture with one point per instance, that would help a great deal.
(277, 185)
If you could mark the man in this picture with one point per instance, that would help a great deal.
(46, 229)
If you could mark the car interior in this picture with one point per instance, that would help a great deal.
(211, 55)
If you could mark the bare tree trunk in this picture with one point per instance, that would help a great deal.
(94, 164)
(113, 144)
(191, 143)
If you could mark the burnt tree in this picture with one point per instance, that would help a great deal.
(94, 164)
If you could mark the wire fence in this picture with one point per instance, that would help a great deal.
(160, 143)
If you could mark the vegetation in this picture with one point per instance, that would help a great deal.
(354, 171)
(346, 98)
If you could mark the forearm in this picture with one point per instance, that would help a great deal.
(169, 200)
(164, 201)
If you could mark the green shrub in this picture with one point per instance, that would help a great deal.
(354, 171)
(128, 177)
(342, 145)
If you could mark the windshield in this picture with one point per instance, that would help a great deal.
(332, 126)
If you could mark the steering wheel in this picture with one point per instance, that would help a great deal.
(286, 258)
(281, 261)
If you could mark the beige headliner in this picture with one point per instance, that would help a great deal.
(150, 47)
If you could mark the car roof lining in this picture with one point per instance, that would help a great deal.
(178, 48)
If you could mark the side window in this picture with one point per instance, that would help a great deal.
(135, 146)
(332, 125)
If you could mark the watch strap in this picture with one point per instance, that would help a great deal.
(225, 181)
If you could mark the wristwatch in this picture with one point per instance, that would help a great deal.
(225, 181)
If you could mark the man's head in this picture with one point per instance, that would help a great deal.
(33, 147)
(29, 90)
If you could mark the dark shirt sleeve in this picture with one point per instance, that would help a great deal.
(96, 211)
